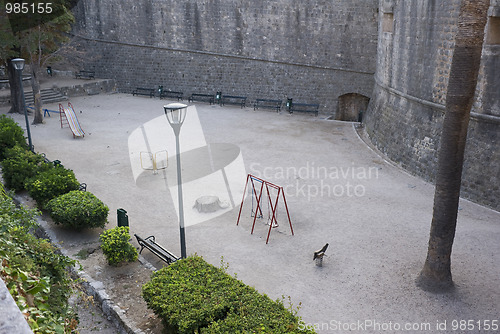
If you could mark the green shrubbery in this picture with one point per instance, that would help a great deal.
(116, 246)
(193, 296)
(51, 183)
(20, 164)
(78, 209)
(11, 135)
(35, 274)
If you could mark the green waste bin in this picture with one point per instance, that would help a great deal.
(122, 217)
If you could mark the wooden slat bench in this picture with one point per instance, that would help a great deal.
(267, 103)
(85, 75)
(201, 97)
(231, 99)
(169, 93)
(304, 107)
(144, 91)
(156, 249)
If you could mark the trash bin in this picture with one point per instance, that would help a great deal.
(122, 217)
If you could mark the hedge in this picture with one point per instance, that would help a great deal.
(11, 134)
(78, 210)
(19, 165)
(192, 296)
(51, 183)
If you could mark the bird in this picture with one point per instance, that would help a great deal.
(319, 254)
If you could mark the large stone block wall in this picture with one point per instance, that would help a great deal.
(405, 115)
(310, 50)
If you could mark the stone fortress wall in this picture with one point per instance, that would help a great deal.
(338, 53)
(406, 111)
(309, 50)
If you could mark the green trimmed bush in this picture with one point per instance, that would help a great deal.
(78, 210)
(116, 246)
(20, 164)
(51, 183)
(11, 134)
(192, 296)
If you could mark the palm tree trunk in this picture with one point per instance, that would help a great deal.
(436, 273)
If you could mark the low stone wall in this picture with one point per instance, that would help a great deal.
(92, 87)
(12, 320)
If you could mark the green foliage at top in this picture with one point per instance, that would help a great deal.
(19, 165)
(116, 246)
(11, 135)
(192, 296)
(7, 39)
(51, 183)
(78, 210)
(42, 39)
(34, 272)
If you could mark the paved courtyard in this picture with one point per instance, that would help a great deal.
(375, 216)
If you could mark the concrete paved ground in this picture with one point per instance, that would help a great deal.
(375, 216)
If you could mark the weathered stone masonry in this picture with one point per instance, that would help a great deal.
(407, 107)
(311, 51)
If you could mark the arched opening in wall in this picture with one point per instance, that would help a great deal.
(388, 22)
(352, 106)
(493, 30)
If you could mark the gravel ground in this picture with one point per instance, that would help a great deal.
(375, 217)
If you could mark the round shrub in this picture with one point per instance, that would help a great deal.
(78, 210)
(11, 134)
(20, 164)
(51, 183)
(116, 246)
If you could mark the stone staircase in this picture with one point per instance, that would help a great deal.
(48, 96)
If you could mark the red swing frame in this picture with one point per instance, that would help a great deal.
(258, 197)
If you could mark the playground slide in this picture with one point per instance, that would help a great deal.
(72, 121)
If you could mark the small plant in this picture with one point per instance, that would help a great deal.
(116, 246)
(78, 210)
(11, 134)
(20, 164)
(51, 183)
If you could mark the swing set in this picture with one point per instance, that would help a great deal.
(270, 190)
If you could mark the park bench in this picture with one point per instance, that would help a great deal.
(231, 99)
(144, 91)
(201, 97)
(304, 107)
(85, 75)
(156, 249)
(266, 103)
(169, 93)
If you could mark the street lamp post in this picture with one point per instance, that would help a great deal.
(176, 113)
(19, 66)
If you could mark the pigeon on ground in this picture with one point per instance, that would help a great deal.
(320, 253)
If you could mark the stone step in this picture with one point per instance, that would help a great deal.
(48, 96)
